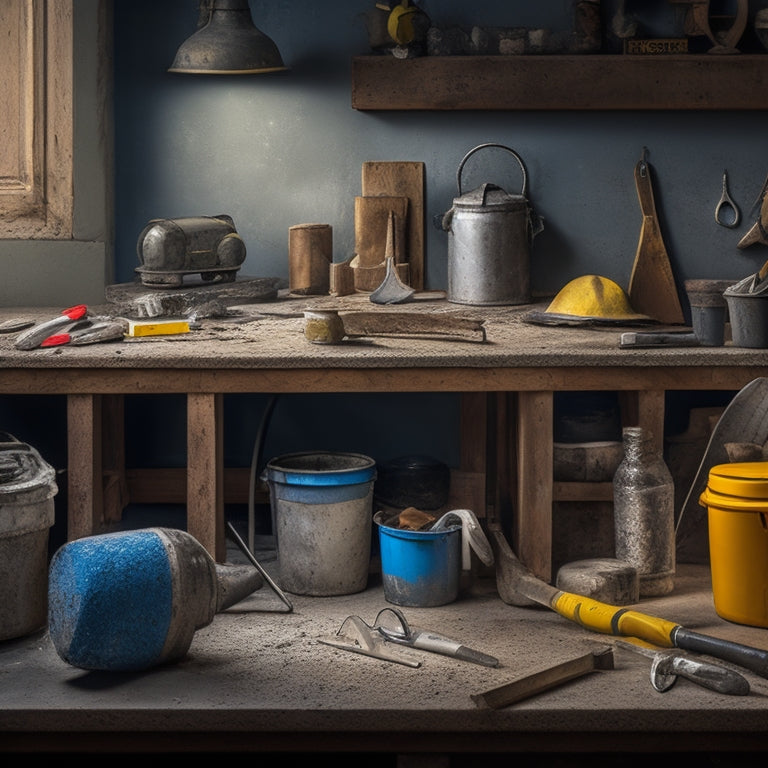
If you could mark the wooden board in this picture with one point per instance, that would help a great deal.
(404, 179)
(560, 82)
(372, 220)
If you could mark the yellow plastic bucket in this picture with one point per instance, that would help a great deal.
(736, 498)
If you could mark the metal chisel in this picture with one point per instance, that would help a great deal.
(658, 339)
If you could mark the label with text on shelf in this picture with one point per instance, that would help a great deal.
(655, 47)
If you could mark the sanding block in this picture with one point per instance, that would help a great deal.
(156, 327)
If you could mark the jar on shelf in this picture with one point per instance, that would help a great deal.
(644, 513)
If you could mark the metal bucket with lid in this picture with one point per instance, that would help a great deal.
(490, 233)
(27, 512)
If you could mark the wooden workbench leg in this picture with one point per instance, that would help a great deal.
(532, 524)
(469, 481)
(113, 457)
(85, 499)
(205, 472)
(645, 409)
(502, 464)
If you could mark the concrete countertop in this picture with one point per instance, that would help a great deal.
(257, 678)
(270, 334)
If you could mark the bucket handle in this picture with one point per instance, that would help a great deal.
(500, 146)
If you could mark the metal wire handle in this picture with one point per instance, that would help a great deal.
(500, 146)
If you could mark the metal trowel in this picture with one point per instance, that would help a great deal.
(392, 289)
(358, 637)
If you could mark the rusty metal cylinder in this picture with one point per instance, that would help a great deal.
(310, 254)
(644, 512)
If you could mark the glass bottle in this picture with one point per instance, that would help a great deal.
(644, 513)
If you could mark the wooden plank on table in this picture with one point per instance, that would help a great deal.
(372, 220)
(402, 179)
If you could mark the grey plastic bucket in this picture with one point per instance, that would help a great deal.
(322, 509)
(27, 490)
(708, 310)
(419, 569)
(748, 312)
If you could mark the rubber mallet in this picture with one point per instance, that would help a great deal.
(134, 599)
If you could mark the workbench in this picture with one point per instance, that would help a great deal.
(258, 680)
(507, 384)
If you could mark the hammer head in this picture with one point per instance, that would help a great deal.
(516, 585)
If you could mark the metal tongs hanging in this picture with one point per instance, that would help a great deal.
(726, 204)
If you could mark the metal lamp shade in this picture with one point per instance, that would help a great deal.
(228, 44)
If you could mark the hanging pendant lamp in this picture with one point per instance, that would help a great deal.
(227, 43)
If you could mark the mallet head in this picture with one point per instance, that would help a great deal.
(134, 599)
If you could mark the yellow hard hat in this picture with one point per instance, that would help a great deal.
(589, 299)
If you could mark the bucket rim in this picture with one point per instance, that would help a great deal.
(713, 500)
(407, 533)
(740, 478)
(363, 471)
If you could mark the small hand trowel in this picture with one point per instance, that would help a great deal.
(358, 637)
(392, 289)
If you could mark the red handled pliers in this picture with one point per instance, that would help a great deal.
(36, 335)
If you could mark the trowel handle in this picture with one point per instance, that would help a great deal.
(500, 146)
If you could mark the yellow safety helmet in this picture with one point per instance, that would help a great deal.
(587, 300)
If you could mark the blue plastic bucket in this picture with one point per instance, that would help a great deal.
(419, 569)
(322, 505)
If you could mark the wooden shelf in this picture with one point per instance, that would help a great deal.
(555, 82)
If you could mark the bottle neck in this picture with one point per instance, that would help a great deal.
(637, 442)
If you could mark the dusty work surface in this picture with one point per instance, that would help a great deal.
(270, 334)
(257, 678)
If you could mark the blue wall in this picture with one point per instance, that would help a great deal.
(287, 148)
(282, 149)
